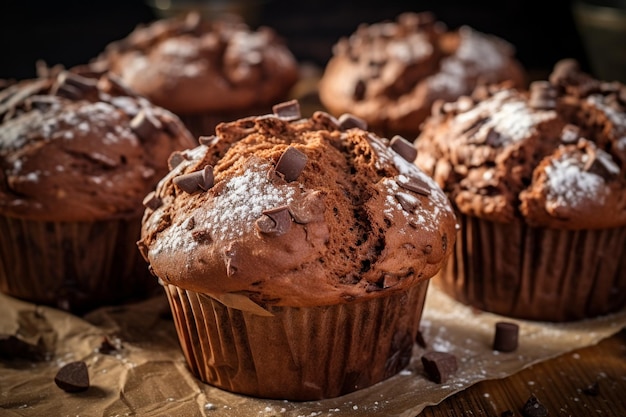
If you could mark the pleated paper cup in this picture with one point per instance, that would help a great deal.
(536, 273)
(76, 266)
(293, 353)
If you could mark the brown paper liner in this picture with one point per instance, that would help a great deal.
(298, 353)
(543, 274)
(76, 266)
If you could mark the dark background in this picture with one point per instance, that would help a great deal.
(70, 32)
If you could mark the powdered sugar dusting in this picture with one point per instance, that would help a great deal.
(569, 185)
(479, 50)
(507, 114)
(617, 118)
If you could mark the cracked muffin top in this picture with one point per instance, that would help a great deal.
(552, 156)
(292, 211)
(189, 64)
(390, 73)
(74, 148)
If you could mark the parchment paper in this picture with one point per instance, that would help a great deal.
(147, 376)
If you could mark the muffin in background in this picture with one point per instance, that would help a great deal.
(539, 181)
(205, 71)
(296, 253)
(77, 157)
(390, 73)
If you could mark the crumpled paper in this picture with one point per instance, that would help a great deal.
(146, 374)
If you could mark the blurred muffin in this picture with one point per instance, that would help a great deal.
(296, 253)
(77, 157)
(205, 71)
(390, 73)
(539, 179)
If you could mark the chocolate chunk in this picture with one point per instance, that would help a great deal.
(73, 377)
(601, 163)
(208, 140)
(403, 147)
(196, 181)
(533, 408)
(145, 125)
(542, 96)
(174, 160)
(349, 121)
(74, 86)
(439, 366)
(274, 222)
(413, 184)
(408, 202)
(309, 208)
(151, 201)
(592, 390)
(359, 90)
(506, 335)
(291, 163)
(289, 110)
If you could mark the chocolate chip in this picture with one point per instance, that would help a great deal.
(592, 390)
(359, 90)
(291, 163)
(274, 222)
(403, 147)
(308, 208)
(542, 96)
(151, 201)
(145, 125)
(73, 377)
(289, 110)
(175, 159)
(408, 202)
(413, 184)
(208, 140)
(533, 408)
(570, 134)
(439, 366)
(74, 86)
(196, 181)
(506, 336)
(349, 121)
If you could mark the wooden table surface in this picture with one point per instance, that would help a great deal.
(560, 385)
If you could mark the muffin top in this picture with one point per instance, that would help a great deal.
(390, 73)
(81, 149)
(552, 156)
(292, 211)
(191, 64)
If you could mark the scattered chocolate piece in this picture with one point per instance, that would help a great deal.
(403, 147)
(310, 207)
(439, 366)
(151, 201)
(196, 181)
(291, 163)
(533, 408)
(144, 125)
(73, 377)
(289, 110)
(506, 336)
(275, 221)
(419, 339)
(413, 184)
(601, 163)
(349, 121)
(106, 347)
(175, 159)
(592, 390)
(408, 202)
(73, 86)
(542, 95)
(208, 140)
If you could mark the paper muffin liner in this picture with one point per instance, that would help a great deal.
(297, 353)
(76, 266)
(536, 273)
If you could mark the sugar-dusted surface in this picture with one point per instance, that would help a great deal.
(570, 185)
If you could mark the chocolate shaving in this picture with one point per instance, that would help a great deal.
(506, 336)
(413, 184)
(151, 201)
(309, 208)
(533, 408)
(145, 125)
(289, 110)
(73, 377)
(274, 222)
(291, 163)
(403, 147)
(349, 121)
(439, 366)
(196, 181)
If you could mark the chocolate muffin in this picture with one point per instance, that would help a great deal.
(296, 253)
(538, 177)
(390, 73)
(205, 71)
(77, 157)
